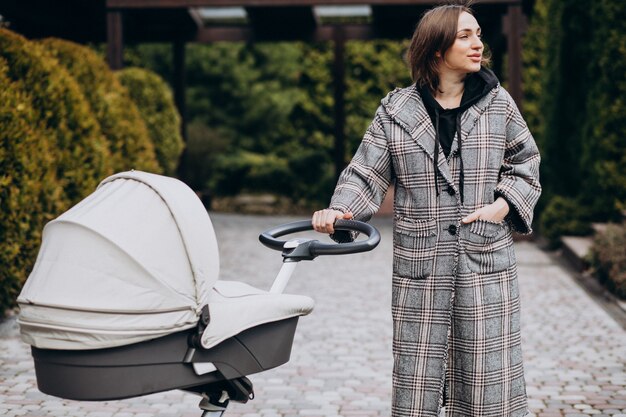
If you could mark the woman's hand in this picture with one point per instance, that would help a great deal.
(324, 220)
(494, 212)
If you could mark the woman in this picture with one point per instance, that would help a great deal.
(466, 172)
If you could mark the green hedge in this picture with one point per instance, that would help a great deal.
(564, 216)
(155, 102)
(565, 87)
(608, 258)
(373, 68)
(52, 152)
(29, 191)
(575, 84)
(534, 51)
(604, 152)
(66, 122)
(251, 172)
(120, 121)
(81, 151)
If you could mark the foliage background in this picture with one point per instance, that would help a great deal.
(65, 124)
(261, 115)
(574, 85)
(261, 120)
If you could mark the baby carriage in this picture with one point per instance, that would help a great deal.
(124, 299)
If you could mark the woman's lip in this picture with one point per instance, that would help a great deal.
(475, 57)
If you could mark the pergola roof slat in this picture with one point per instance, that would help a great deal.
(130, 4)
(279, 23)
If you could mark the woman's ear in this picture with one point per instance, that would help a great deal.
(438, 54)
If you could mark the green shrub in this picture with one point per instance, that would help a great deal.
(120, 121)
(373, 68)
(251, 172)
(29, 192)
(565, 81)
(608, 258)
(604, 156)
(155, 102)
(312, 177)
(73, 134)
(564, 216)
(534, 54)
(203, 146)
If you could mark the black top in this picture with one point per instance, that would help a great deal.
(477, 85)
(447, 122)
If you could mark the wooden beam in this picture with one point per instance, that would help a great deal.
(271, 23)
(115, 40)
(513, 28)
(339, 78)
(180, 84)
(140, 4)
(245, 34)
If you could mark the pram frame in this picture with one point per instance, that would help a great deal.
(166, 363)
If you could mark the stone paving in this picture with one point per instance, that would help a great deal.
(575, 353)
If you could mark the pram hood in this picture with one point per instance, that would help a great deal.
(133, 261)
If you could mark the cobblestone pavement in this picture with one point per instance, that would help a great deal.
(575, 354)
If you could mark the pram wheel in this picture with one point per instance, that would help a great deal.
(213, 413)
(214, 402)
(214, 406)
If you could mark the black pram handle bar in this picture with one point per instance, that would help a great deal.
(315, 248)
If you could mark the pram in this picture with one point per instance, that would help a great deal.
(124, 299)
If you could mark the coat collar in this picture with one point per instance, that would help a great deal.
(405, 107)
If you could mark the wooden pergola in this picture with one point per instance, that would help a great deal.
(120, 22)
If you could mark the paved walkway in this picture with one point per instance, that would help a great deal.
(575, 354)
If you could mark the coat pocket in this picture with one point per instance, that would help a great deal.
(488, 246)
(414, 247)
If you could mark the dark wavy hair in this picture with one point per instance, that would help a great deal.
(435, 32)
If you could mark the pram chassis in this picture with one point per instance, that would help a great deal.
(159, 364)
(166, 363)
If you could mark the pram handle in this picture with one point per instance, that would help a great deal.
(311, 248)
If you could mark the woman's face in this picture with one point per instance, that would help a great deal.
(465, 54)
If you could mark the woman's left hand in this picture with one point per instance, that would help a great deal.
(494, 212)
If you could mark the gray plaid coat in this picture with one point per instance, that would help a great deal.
(455, 297)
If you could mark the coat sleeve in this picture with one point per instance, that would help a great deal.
(363, 184)
(518, 181)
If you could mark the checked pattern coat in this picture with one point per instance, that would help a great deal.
(455, 297)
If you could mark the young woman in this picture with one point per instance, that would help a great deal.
(466, 174)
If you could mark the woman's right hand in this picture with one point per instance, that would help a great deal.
(324, 220)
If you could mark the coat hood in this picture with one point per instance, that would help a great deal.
(406, 107)
(477, 85)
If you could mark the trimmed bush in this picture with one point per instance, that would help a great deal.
(202, 148)
(563, 97)
(608, 258)
(155, 102)
(120, 121)
(312, 177)
(564, 216)
(73, 134)
(604, 156)
(373, 68)
(535, 46)
(251, 172)
(29, 192)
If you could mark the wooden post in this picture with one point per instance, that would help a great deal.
(339, 72)
(514, 21)
(180, 84)
(115, 39)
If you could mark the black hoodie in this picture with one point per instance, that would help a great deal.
(447, 122)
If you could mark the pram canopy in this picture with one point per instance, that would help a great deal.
(135, 260)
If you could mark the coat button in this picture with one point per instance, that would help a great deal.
(450, 190)
(452, 229)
